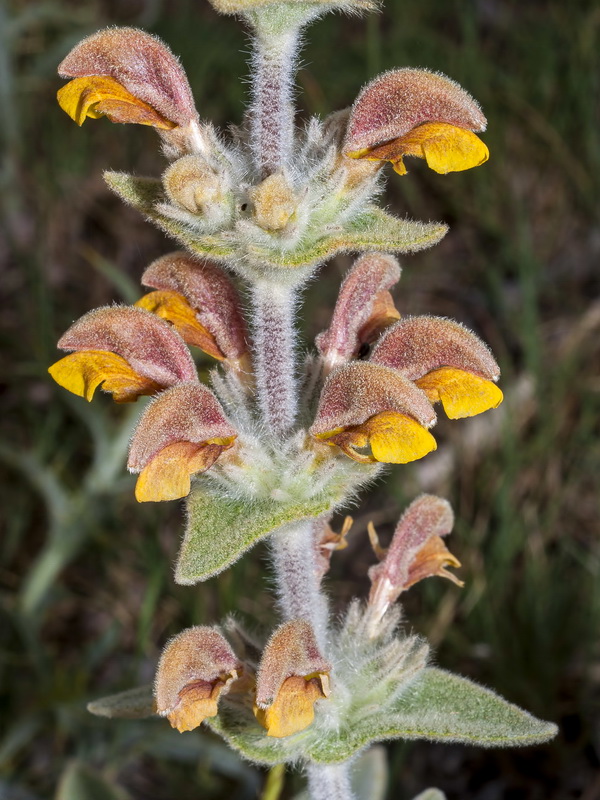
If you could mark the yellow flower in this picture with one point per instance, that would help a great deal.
(111, 350)
(372, 413)
(444, 359)
(293, 708)
(414, 112)
(181, 433)
(196, 667)
(292, 676)
(393, 438)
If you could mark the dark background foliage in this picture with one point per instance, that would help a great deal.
(86, 591)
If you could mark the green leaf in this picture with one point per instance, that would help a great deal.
(436, 705)
(430, 794)
(131, 704)
(371, 230)
(220, 529)
(145, 193)
(79, 782)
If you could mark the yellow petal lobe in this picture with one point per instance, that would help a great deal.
(197, 702)
(461, 393)
(292, 710)
(82, 373)
(446, 148)
(397, 439)
(95, 96)
(168, 475)
(174, 308)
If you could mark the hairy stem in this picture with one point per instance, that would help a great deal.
(272, 108)
(274, 356)
(298, 582)
(329, 782)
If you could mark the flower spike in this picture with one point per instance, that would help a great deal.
(447, 361)
(366, 405)
(292, 675)
(182, 432)
(414, 112)
(127, 350)
(364, 307)
(195, 668)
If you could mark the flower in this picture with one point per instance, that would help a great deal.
(414, 112)
(182, 432)
(444, 359)
(365, 405)
(203, 305)
(416, 552)
(195, 668)
(292, 676)
(364, 308)
(126, 350)
(128, 75)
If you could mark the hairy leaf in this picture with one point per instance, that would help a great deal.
(132, 704)
(220, 529)
(144, 194)
(373, 229)
(436, 705)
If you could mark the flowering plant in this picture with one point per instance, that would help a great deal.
(275, 446)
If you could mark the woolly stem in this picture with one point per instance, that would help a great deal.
(298, 582)
(329, 782)
(272, 108)
(274, 356)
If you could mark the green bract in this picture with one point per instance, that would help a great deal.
(436, 705)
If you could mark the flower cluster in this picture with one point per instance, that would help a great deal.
(268, 448)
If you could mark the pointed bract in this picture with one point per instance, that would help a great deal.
(141, 63)
(195, 668)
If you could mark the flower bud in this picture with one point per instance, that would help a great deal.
(195, 668)
(128, 350)
(182, 432)
(292, 675)
(274, 202)
(193, 185)
(363, 294)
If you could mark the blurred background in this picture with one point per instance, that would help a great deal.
(87, 597)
